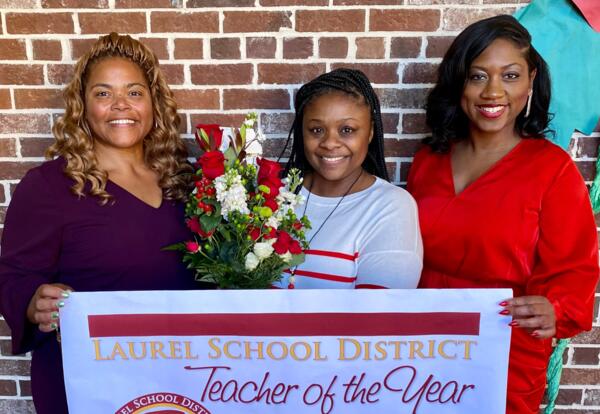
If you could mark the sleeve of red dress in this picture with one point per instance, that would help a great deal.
(566, 270)
(30, 249)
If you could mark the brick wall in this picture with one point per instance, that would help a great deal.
(226, 57)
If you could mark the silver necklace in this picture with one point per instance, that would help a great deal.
(292, 277)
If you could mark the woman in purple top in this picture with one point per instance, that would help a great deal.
(96, 217)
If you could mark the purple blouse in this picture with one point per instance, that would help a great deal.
(52, 236)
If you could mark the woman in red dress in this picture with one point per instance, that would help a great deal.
(499, 205)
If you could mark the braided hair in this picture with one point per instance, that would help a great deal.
(354, 83)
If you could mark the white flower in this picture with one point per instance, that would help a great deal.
(273, 221)
(253, 149)
(231, 193)
(263, 250)
(251, 261)
(287, 257)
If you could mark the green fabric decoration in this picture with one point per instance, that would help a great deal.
(571, 48)
(553, 374)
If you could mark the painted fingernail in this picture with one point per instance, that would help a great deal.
(535, 334)
(54, 315)
(513, 323)
(53, 326)
(504, 312)
(503, 303)
(60, 303)
(65, 293)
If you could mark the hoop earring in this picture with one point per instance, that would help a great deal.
(529, 98)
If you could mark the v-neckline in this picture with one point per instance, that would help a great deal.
(493, 167)
(130, 194)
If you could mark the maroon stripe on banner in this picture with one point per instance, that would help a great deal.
(285, 324)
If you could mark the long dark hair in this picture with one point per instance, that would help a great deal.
(445, 117)
(356, 84)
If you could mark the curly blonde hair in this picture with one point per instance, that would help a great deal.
(164, 151)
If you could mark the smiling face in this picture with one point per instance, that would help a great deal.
(337, 129)
(497, 88)
(118, 104)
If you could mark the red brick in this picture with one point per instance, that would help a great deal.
(225, 48)
(281, 3)
(401, 147)
(261, 47)
(458, 19)
(333, 47)
(285, 73)
(21, 75)
(79, 47)
(587, 147)
(410, 20)
(390, 122)
(38, 98)
(8, 387)
(376, 72)
(226, 74)
(256, 99)
(7, 148)
(420, 73)
(20, 4)
(25, 123)
(425, 2)
(5, 99)
(228, 120)
(60, 74)
(404, 170)
(414, 124)
(586, 356)
(195, 22)
(438, 45)
(18, 367)
(273, 147)
(35, 147)
(370, 48)
(18, 406)
(157, 45)
(25, 386)
(189, 49)
(251, 21)
(366, 2)
(75, 4)
(122, 22)
(197, 99)
(276, 123)
(39, 23)
(579, 376)
(402, 98)
(391, 168)
(587, 169)
(47, 50)
(330, 20)
(4, 329)
(568, 396)
(405, 47)
(297, 47)
(143, 4)
(5, 344)
(12, 49)
(173, 73)
(219, 3)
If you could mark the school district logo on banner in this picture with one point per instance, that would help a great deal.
(274, 351)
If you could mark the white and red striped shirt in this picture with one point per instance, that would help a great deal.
(372, 240)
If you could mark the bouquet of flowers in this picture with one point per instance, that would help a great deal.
(241, 212)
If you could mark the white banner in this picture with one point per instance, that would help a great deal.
(279, 351)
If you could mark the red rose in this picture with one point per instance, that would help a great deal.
(213, 164)
(272, 204)
(297, 225)
(267, 169)
(274, 184)
(271, 233)
(215, 136)
(295, 247)
(254, 233)
(192, 246)
(195, 226)
(282, 245)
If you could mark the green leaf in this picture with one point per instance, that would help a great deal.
(177, 247)
(230, 156)
(297, 259)
(210, 223)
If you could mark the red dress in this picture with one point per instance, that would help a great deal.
(526, 224)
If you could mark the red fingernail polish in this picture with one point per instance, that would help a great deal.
(535, 334)
(503, 303)
(513, 323)
(504, 312)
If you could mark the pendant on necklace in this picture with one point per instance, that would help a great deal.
(292, 279)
